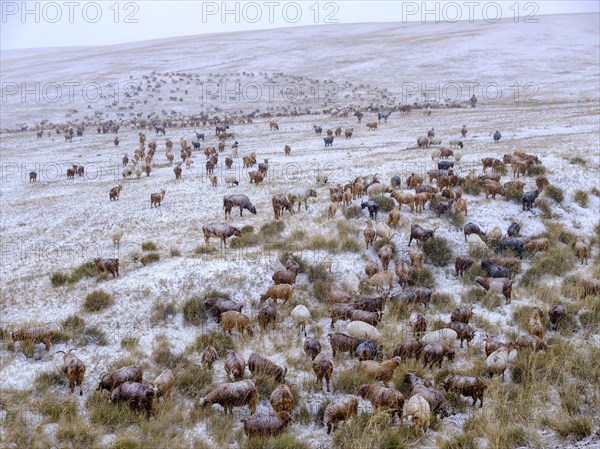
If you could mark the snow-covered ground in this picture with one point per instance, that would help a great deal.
(57, 224)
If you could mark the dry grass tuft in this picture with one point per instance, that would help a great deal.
(438, 251)
(421, 277)
(97, 300)
(581, 197)
(554, 192)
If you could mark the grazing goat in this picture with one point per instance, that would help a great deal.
(163, 383)
(491, 345)
(265, 425)
(74, 369)
(588, 286)
(237, 200)
(462, 263)
(112, 379)
(301, 196)
(497, 285)
(343, 343)
(497, 361)
(403, 273)
(259, 364)
(340, 410)
(495, 271)
(216, 306)
(280, 203)
(436, 400)
(462, 315)
(417, 322)
(517, 246)
(108, 266)
(420, 234)
(385, 398)
(534, 325)
(369, 234)
(381, 280)
(540, 244)
(435, 353)
(385, 254)
(234, 365)
(372, 207)
(236, 394)
(281, 399)
(529, 342)
(463, 330)
(445, 335)
(416, 256)
(278, 291)
(138, 396)
(311, 347)
(418, 412)
(301, 317)
(323, 369)
(467, 386)
(555, 314)
(231, 180)
(362, 330)
(409, 349)
(234, 319)
(220, 230)
(404, 198)
(267, 315)
(383, 371)
(394, 217)
(366, 351)
(208, 357)
(582, 251)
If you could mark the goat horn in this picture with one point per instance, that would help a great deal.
(60, 351)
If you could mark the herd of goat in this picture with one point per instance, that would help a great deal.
(364, 313)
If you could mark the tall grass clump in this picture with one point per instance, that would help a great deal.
(438, 251)
(556, 193)
(97, 300)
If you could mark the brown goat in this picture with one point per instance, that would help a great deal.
(236, 394)
(323, 369)
(267, 315)
(383, 371)
(279, 291)
(369, 234)
(467, 386)
(281, 399)
(582, 251)
(234, 365)
(435, 353)
(534, 325)
(208, 357)
(340, 410)
(74, 369)
(233, 319)
(386, 398)
(311, 347)
(157, 198)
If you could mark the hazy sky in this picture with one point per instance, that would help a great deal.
(73, 23)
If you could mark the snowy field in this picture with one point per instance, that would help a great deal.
(56, 224)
